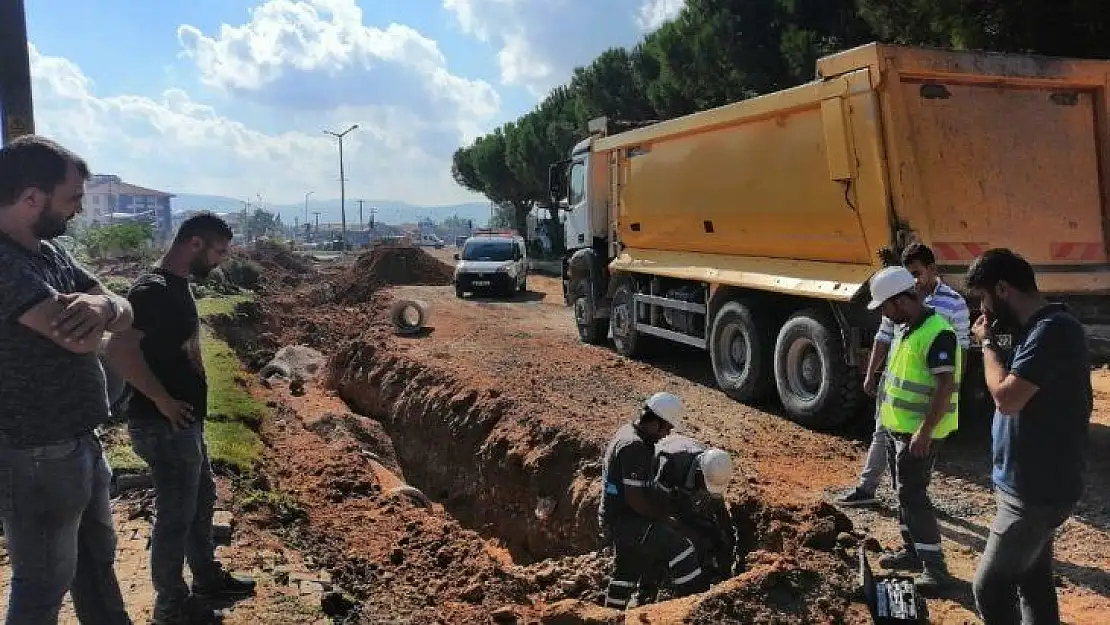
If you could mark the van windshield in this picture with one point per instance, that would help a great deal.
(496, 251)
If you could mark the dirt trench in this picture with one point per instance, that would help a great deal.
(490, 458)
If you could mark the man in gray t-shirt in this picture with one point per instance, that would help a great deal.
(53, 478)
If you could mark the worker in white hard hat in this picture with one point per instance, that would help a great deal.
(694, 478)
(633, 514)
(918, 405)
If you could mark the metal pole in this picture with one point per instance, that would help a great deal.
(16, 106)
(342, 182)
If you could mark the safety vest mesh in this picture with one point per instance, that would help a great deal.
(908, 386)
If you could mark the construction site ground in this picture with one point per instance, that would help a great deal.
(499, 416)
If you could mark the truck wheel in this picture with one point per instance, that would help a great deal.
(622, 321)
(817, 387)
(590, 329)
(741, 347)
(459, 292)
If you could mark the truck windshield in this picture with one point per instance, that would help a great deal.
(489, 250)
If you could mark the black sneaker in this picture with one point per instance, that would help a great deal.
(224, 585)
(858, 497)
(933, 579)
(194, 612)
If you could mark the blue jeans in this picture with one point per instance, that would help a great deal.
(58, 523)
(1014, 582)
(184, 501)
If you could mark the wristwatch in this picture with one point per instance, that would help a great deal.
(115, 309)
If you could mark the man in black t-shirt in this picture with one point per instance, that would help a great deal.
(1043, 398)
(160, 359)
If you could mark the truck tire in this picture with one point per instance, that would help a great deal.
(591, 330)
(817, 387)
(622, 322)
(741, 348)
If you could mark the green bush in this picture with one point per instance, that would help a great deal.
(117, 285)
(242, 272)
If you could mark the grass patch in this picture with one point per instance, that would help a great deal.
(228, 397)
(122, 458)
(233, 444)
(211, 306)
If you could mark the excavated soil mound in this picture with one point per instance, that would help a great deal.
(279, 261)
(388, 266)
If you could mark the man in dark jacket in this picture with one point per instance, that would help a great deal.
(633, 515)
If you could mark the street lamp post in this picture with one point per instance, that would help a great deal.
(342, 183)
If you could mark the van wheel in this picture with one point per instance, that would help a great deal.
(817, 387)
(459, 292)
(622, 321)
(741, 348)
(524, 285)
(591, 330)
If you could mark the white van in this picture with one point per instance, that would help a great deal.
(492, 261)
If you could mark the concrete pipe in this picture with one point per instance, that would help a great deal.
(409, 316)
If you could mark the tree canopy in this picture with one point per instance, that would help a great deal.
(720, 51)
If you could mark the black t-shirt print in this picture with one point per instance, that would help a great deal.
(166, 314)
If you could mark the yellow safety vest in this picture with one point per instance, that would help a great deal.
(908, 386)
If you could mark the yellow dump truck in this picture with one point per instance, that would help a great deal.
(750, 230)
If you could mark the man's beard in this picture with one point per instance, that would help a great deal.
(49, 225)
(199, 268)
(1006, 319)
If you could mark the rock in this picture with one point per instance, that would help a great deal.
(311, 588)
(506, 614)
(281, 575)
(872, 544)
(846, 540)
(133, 481)
(222, 522)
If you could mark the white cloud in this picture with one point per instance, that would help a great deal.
(653, 13)
(317, 54)
(542, 42)
(175, 143)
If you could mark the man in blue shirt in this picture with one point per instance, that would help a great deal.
(1042, 394)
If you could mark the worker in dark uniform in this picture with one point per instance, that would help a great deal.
(633, 515)
(695, 478)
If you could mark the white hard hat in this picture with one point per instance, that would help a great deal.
(666, 406)
(716, 468)
(889, 282)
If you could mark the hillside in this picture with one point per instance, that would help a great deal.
(389, 211)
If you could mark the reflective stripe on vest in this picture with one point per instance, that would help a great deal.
(908, 386)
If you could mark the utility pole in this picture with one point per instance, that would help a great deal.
(342, 182)
(16, 106)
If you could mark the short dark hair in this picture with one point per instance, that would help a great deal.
(918, 252)
(1001, 265)
(887, 257)
(205, 225)
(35, 162)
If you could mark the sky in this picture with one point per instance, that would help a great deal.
(232, 97)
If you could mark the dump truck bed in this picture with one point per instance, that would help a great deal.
(964, 151)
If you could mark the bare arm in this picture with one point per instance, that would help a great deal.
(124, 315)
(126, 357)
(41, 318)
(1010, 392)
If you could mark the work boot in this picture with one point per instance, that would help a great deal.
(857, 498)
(903, 560)
(934, 578)
(223, 586)
(193, 612)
